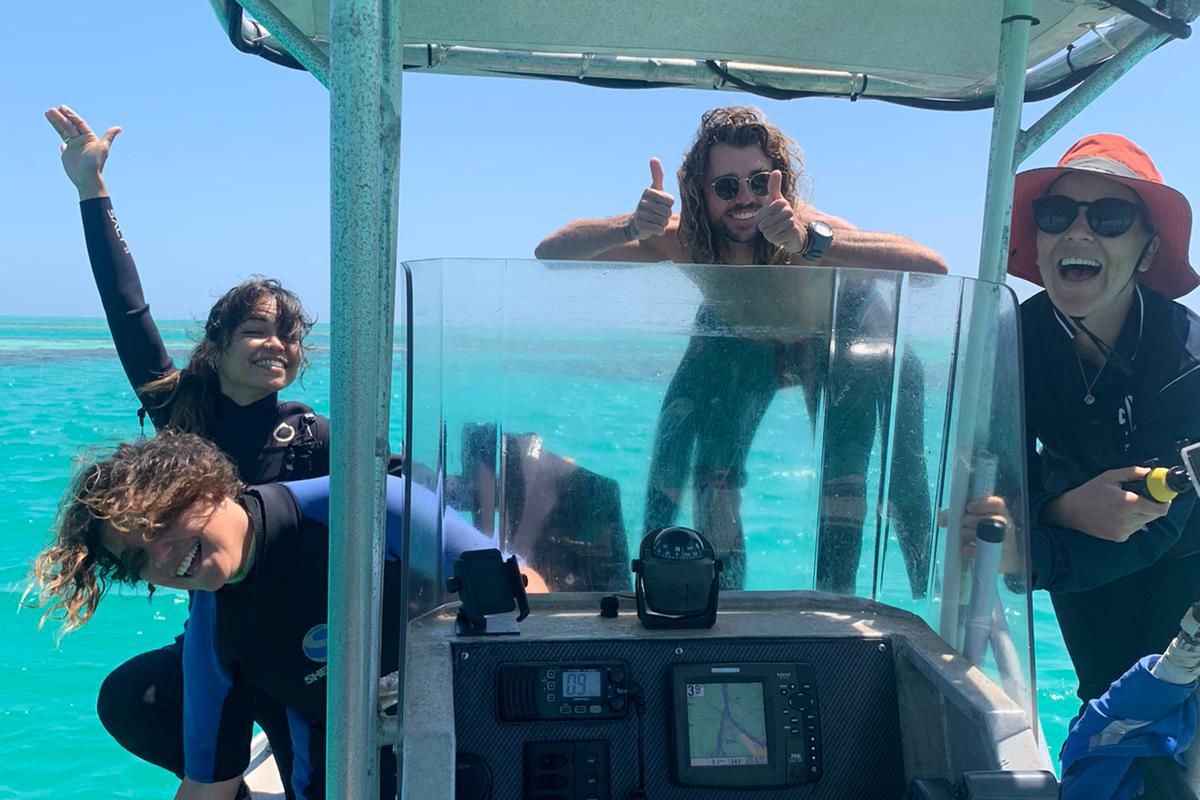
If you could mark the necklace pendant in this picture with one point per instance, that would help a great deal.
(1088, 399)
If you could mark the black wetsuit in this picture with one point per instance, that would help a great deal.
(269, 633)
(140, 702)
(1115, 602)
(718, 397)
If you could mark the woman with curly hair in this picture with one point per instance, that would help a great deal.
(171, 511)
(251, 349)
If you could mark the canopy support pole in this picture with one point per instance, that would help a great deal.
(364, 139)
(977, 365)
(391, 110)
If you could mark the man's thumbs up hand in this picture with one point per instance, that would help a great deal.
(653, 209)
(777, 221)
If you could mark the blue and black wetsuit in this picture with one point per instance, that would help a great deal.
(140, 702)
(716, 401)
(1115, 602)
(268, 633)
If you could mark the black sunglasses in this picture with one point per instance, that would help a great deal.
(1108, 217)
(727, 187)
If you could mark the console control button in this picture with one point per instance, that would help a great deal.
(800, 701)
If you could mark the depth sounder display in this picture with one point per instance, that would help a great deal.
(747, 725)
(727, 724)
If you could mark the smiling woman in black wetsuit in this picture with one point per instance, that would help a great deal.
(253, 347)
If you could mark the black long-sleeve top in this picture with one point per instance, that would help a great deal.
(1136, 416)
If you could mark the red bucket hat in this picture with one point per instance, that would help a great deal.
(1120, 160)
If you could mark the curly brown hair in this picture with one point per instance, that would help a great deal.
(192, 391)
(138, 490)
(736, 126)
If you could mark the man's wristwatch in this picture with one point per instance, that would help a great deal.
(631, 229)
(819, 237)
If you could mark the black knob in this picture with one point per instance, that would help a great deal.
(610, 606)
(991, 530)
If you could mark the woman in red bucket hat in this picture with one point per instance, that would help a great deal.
(1112, 383)
(1114, 159)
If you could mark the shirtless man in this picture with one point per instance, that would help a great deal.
(760, 330)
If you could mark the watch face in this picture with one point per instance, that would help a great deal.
(819, 237)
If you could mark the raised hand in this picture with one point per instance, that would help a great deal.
(777, 220)
(653, 210)
(83, 152)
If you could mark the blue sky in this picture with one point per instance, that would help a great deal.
(222, 169)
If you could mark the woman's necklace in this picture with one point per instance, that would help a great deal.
(1088, 397)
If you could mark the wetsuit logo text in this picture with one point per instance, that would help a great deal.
(316, 643)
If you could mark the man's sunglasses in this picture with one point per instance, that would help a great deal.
(1108, 217)
(727, 187)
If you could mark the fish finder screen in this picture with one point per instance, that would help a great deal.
(581, 683)
(726, 724)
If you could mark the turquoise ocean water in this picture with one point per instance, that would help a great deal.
(61, 391)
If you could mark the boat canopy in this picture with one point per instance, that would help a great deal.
(904, 50)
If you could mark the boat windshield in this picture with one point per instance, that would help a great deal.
(808, 422)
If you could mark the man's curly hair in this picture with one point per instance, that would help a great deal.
(736, 126)
(138, 491)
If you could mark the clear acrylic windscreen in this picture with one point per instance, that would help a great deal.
(810, 422)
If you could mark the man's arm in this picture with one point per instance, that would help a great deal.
(604, 239)
(852, 247)
(648, 234)
(787, 227)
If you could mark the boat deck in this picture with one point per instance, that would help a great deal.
(262, 776)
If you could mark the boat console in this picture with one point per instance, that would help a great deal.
(788, 695)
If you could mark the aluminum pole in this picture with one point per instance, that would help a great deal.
(360, 319)
(976, 394)
(390, 109)
(1006, 126)
(1082, 95)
